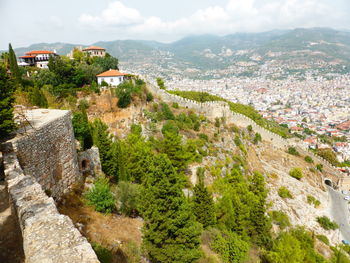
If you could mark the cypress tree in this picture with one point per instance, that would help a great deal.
(7, 124)
(13, 65)
(170, 232)
(108, 149)
(260, 223)
(203, 204)
(82, 129)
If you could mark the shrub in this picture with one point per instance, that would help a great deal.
(328, 155)
(319, 167)
(170, 126)
(149, 97)
(103, 254)
(127, 195)
(313, 200)
(308, 159)
(284, 192)
(196, 126)
(279, 218)
(167, 113)
(326, 223)
(323, 238)
(293, 151)
(217, 122)
(250, 128)
(175, 105)
(230, 246)
(257, 138)
(237, 141)
(100, 196)
(296, 173)
(203, 137)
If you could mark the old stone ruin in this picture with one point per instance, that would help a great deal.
(40, 165)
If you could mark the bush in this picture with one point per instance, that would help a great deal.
(284, 192)
(323, 238)
(217, 122)
(279, 218)
(296, 173)
(319, 167)
(313, 200)
(328, 155)
(250, 128)
(170, 126)
(127, 195)
(103, 254)
(257, 138)
(293, 151)
(203, 137)
(175, 105)
(230, 246)
(167, 113)
(308, 159)
(326, 223)
(100, 196)
(149, 97)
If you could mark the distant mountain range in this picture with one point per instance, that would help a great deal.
(298, 50)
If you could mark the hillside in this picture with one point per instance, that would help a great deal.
(285, 52)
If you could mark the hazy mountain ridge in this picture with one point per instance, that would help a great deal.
(296, 48)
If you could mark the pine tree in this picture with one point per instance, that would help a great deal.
(203, 204)
(108, 150)
(170, 233)
(172, 146)
(7, 124)
(13, 65)
(260, 223)
(37, 98)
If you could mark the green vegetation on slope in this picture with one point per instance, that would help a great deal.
(246, 110)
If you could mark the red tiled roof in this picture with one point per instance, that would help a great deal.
(37, 52)
(111, 73)
(27, 57)
(93, 48)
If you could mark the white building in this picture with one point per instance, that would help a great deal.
(94, 51)
(37, 58)
(112, 77)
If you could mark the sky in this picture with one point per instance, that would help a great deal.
(25, 22)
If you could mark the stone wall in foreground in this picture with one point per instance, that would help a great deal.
(47, 151)
(48, 236)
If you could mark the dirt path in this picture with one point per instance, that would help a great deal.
(11, 247)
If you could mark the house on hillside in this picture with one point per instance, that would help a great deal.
(36, 58)
(94, 51)
(112, 77)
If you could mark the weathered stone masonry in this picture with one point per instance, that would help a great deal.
(48, 152)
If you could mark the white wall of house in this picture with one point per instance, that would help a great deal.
(112, 81)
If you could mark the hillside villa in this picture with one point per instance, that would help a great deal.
(37, 58)
(95, 51)
(112, 77)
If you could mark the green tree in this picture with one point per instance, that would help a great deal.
(160, 83)
(170, 232)
(173, 148)
(101, 197)
(203, 204)
(107, 62)
(37, 98)
(128, 196)
(13, 65)
(109, 150)
(82, 129)
(7, 124)
(260, 223)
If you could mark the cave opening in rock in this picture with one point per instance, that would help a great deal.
(328, 182)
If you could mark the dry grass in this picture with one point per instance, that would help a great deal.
(109, 230)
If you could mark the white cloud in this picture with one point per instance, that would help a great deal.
(115, 15)
(236, 16)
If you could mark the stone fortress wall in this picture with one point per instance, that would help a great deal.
(220, 109)
(43, 161)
